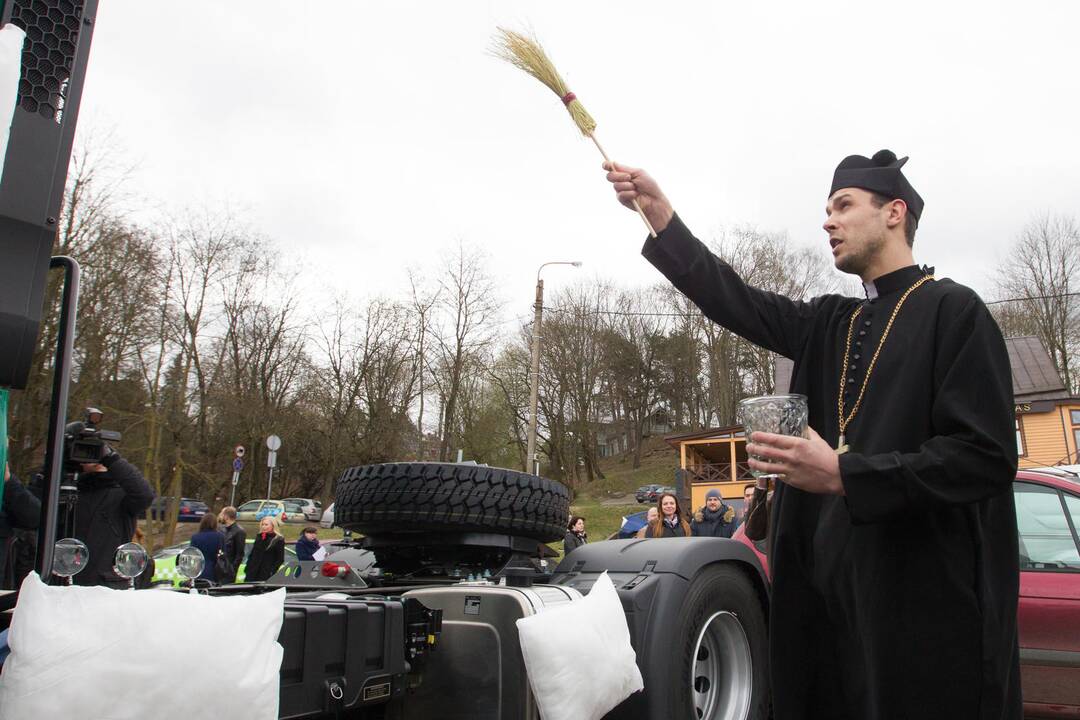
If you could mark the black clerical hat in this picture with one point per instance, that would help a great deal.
(880, 174)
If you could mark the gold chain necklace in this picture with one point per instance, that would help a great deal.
(841, 445)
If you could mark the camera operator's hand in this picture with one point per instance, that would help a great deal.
(94, 468)
(109, 456)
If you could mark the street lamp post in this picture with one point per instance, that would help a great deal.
(534, 389)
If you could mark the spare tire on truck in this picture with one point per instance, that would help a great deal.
(397, 498)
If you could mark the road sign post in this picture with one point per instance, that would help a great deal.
(273, 444)
(237, 466)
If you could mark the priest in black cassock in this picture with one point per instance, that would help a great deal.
(893, 535)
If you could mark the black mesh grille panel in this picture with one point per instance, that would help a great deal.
(52, 32)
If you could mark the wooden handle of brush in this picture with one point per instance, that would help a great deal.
(636, 206)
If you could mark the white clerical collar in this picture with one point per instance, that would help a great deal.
(871, 290)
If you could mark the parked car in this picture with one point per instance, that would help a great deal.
(652, 493)
(255, 510)
(647, 493)
(190, 510)
(312, 509)
(328, 517)
(165, 562)
(1048, 520)
(1048, 616)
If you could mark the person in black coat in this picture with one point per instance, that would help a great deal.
(308, 543)
(267, 552)
(575, 535)
(715, 519)
(210, 543)
(21, 511)
(235, 542)
(892, 539)
(112, 496)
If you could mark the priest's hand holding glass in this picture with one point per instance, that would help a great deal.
(807, 463)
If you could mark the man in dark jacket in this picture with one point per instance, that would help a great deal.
(235, 543)
(113, 495)
(21, 511)
(716, 519)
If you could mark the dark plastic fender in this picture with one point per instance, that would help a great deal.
(681, 556)
(653, 577)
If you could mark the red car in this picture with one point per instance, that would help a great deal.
(1048, 521)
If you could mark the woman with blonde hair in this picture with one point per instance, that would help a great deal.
(671, 522)
(267, 552)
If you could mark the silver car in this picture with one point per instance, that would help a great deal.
(312, 509)
(328, 517)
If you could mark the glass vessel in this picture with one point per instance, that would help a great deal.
(190, 562)
(69, 557)
(778, 414)
(130, 561)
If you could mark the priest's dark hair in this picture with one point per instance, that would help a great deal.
(911, 223)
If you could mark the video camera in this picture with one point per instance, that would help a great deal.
(85, 442)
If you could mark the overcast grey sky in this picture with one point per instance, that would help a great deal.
(366, 136)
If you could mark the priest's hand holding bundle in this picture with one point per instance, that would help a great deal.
(807, 463)
(635, 184)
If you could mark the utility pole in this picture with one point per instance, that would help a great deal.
(531, 463)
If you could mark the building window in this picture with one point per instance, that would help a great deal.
(1074, 416)
(1020, 439)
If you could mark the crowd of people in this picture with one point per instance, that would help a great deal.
(109, 499)
(223, 543)
(667, 519)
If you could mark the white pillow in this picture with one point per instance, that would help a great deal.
(94, 652)
(578, 656)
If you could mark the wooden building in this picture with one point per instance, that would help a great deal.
(1047, 427)
(713, 458)
(1047, 415)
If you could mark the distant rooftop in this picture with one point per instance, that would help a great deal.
(1033, 373)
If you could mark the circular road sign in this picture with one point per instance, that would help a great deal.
(273, 443)
(239, 451)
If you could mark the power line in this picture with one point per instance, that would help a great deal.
(623, 313)
(692, 315)
(1056, 296)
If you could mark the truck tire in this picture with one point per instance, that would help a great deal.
(399, 498)
(723, 649)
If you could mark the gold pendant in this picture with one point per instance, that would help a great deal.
(841, 445)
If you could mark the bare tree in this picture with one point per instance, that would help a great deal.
(467, 304)
(1042, 275)
(423, 301)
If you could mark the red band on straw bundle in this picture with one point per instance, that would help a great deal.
(568, 98)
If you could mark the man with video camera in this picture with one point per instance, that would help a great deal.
(111, 496)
